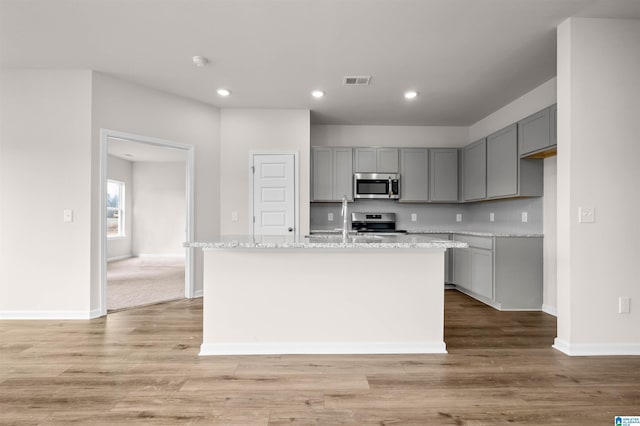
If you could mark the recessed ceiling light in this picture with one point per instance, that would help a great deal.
(410, 94)
(317, 93)
(200, 61)
(224, 92)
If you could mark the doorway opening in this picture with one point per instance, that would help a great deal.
(146, 202)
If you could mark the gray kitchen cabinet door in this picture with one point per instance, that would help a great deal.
(387, 160)
(534, 132)
(414, 172)
(462, 267)
(342, 173)
(482, 272)
(443, 174)
(366, 160)
(474, 168)
(502, 162)
(322, 174)
(553, 131)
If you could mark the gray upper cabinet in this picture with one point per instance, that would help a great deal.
(537, 132)
(414, 172)
(342, 173)
(332, 173)
(376, 160)
(553, 138)
(474, 171)
(443, 174)
(502, 163)
(322, 174)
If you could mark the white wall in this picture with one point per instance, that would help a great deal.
(247, 130)
(122, 170)
(45, 168)
(598, 110)
(127, 107)
(159, 208)
(400, 136)
(533, 101)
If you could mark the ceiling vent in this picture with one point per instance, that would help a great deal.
(359, 80)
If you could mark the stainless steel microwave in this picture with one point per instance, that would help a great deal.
(376, 185)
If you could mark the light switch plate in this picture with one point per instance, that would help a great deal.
(492, 217)
(624, 305)
(330, 217)
(525, 217)
(586, 215)
(67, 216)
(234, 216)
(414, 217)
(459, 217)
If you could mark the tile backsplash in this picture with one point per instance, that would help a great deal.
(475, 216)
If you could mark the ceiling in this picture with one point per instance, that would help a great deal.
(466, 58)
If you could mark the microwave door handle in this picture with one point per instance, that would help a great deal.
(390, 188)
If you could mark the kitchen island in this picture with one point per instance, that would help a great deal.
(323, 295)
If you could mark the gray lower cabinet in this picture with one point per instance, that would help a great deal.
(414, 172)
(482, 272)
(443, 175)
(376, 160)
(537, 132)
(461, 267)
(474, 171)
(332, 173)
(503, 272)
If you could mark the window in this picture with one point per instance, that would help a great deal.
(115, 209)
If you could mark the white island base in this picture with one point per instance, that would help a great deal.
(323, 301)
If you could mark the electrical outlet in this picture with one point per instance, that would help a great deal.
(492, 217)
(624, 305)
(330, 217)
(459, 217)
(525, 217)
(414, 217)
(67, 216)
(586, 215)
(234, 216)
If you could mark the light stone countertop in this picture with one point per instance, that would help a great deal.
(328, 241)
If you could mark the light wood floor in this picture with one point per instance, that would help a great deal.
(142, 366)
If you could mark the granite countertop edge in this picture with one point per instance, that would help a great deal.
(366, 243)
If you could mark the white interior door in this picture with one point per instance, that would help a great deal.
(273, 194)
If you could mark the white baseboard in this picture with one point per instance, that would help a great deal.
(581, 349)
(302, 348)
(113, 259)
(170, 255)
(198, 293)
(551, 310)
(49, 315)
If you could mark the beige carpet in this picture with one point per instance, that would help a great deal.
(143, 281)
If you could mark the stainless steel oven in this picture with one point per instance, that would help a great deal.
(376, 185)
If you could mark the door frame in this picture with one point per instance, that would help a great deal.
(105, 134)
(296, 187)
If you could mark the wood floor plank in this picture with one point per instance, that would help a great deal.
(142, 366)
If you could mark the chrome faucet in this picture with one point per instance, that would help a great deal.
(343, 213)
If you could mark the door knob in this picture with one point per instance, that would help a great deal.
(290, 229)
